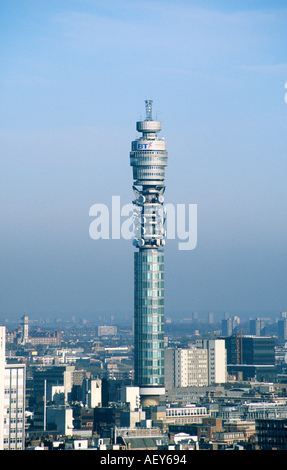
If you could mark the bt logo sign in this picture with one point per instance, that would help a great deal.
(144, 146)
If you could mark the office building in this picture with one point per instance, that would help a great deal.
(2, 381)
(205, 364)
(251, 357)
(217, 360)
(186, 367)
(12, 401)
(14, 407)
(148, 158)
(249, 349)
(271, 434)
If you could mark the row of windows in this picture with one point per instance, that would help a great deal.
(12, 440)
(153, 285)
(152, 319)
(152, 293)
(148, 152)
(153, 363)
(153, 353)
(149, 311)
(154, 328)
(12, 419)
(155, 160)
(152, 267)
(13, 400)
(142, 172)
(153, 259)
(152, 345)
(186, 411)
(152, 301)
(154, 380)
(154, 337)
(153, 275)
(149, 371)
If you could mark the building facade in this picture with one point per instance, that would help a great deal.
(271, 434)
(12, 401)
(217, 361)
(199, 366)
(186, 367)
(2, 381)
(14, 407)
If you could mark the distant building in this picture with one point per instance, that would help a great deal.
(282, 329)
(51, 339)
(257, 327)
(106, 330)
(210, 317)
(229, 326)
(24, 329)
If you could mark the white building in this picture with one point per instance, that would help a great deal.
(217, 361)
(131, 396)
(14, 407)
(92, 392)
(186, 367)
(12, 401)
(187, 414)
(205, 364)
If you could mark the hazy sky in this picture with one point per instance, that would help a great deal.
(74, 76)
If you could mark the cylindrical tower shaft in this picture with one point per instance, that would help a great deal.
(148, 157)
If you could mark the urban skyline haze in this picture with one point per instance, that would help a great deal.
(74, 78)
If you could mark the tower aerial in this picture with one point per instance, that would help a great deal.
(148, 158)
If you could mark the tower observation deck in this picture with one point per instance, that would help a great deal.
(148, 158)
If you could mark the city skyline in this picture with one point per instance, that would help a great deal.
(73, 80)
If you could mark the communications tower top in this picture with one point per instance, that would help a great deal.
(148, 108)
(149, 126)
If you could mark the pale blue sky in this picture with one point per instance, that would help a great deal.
(74, 76)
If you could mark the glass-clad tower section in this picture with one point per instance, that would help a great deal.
(148, 157)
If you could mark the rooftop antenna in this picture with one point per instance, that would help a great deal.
(148, 108)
